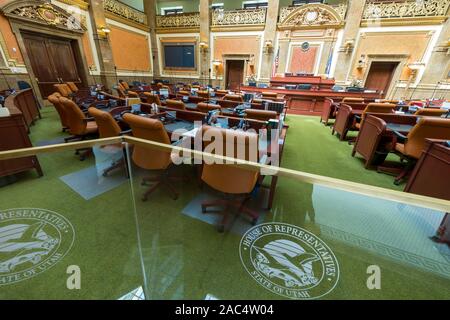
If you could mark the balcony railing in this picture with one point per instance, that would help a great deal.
(239, 17)
(424, 8)
(341, 9)
(122, 10)
(181, 20)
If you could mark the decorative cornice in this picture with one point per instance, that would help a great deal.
(126, 12)
(312, 16)
(175, 21)
(410, 21)
(43, 13)
(406, 9)
(238, 18)
(130, 23)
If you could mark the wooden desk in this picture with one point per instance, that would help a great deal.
(316, 81)
(24, 101)
(310, 102)
(14, 128)
(431, 175)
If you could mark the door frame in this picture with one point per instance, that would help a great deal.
(242, 57)
(20, 26)
(400, 59)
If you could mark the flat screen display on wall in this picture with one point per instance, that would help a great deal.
(179, 56)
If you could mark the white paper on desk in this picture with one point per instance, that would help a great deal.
(191, 133)
(4, 112)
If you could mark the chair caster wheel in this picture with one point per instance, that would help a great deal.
(397, 183)
(144, 199)
(221, 229)
(254, 221)
(203, 209)
(82, 158)
(77, 152)
(105, 174)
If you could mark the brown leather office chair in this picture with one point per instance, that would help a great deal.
(184, 93)
(121, 91)
(353, 100)
(63, 90)
(132, 94)
(234, 97)
(262, 115)
(203, 94)
(80, 126)
(175, 104)
(73, 86)
(411, 146)
(236, 183)
(221, 93)
(206, 107)
(375, 108)
(151, 158)
(125, 85)
(269, 95)
(152, 98)
(54, 99)
(108, 127)
(430, 112)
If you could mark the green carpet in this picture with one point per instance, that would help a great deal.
(185, 258)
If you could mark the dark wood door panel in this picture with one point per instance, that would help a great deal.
(380, 76)
(235, 72)
(64, 60)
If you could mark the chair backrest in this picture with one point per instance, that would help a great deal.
(184, 93)
(269, 95)
(76, 118)
(72, 86)
(378, 108)
(368, 137)
(427, 127)
(237, 144)
(205, 107)
(132, 94)
(263, 115)
(54, 99)
(430, 112)
(125, 85)
(153, 130)
(203, 94)
(152, 98)
(63, 89)
(121, 91)
(107, 126)
(234, 97)
(221, 93)
(350, 99)
(175, 104)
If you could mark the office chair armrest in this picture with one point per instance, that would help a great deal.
(358, 118)
(400, 137)
(89, 119)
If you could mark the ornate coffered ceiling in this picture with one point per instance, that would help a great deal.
(42, 12)
(312, 16)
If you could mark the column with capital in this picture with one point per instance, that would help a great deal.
(150, 11)
(270, 32)
(204, 45)
(102, 43)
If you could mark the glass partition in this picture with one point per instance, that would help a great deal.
(295, 236)
(154, 228)
(70, 234)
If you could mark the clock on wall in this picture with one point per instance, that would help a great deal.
(305, 46)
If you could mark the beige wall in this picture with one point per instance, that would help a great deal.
(412, 44)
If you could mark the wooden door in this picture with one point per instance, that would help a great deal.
(53, 61)
(42, 63)
(64, 60)
(380, 76)
(235, 74)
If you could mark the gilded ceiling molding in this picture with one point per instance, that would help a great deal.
(43, 13)
(77, 3)
(312, 16)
